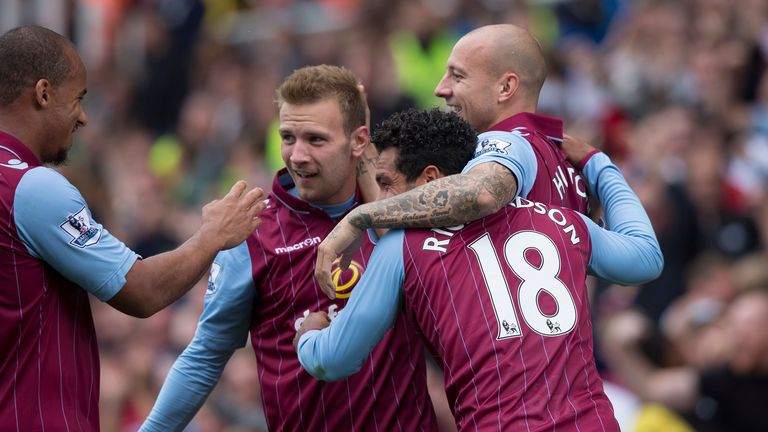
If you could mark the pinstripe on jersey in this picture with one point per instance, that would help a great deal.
(534, 369)
(49, 369)
(389, 392)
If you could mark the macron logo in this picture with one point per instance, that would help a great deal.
(298, 246)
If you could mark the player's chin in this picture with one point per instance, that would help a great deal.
(306, 194)
(58, 158)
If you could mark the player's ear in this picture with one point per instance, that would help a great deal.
(508, 86)
(43, 92)
(360, 140)
(431, 173)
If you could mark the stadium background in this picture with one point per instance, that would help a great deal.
(180, 103)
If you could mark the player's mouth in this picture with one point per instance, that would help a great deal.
(304, 174)
(455, 108)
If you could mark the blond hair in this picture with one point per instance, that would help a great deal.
(313, 84)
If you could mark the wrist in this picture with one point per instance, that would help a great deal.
(299, 334)
(207, 237)
(583, 161)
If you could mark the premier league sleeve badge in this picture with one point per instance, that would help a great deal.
(79, 227)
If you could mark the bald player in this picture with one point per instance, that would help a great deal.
(493, 78)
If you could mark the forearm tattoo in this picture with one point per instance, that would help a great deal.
(446, 201)
(365, 164)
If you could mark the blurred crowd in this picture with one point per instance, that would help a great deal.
(181, 104)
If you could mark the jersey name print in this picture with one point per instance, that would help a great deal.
(557, 181)
(503, 303)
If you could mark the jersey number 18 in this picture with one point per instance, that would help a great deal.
(534, 280)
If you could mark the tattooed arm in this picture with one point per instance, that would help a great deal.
(447, 201)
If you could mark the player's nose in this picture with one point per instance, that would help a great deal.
(300, 153)
(443, 90)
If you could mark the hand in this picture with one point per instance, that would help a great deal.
(344, 240)
(313, 321)
(366, 173)
(230, 220)
(575, 149)
(361, 88)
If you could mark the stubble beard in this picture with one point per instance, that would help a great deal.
(57, 159)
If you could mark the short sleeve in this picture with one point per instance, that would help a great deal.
(510, 150)
(229, 299)
(55, 224)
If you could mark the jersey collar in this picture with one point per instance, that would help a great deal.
(549, 126)
(280, 189)
(14, 152)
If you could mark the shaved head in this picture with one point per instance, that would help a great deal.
(509, 48)
(493, 72)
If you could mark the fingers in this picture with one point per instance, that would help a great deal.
(255, 210)
(253, 195)
(361, 89)
(323, 317)
(323, 267)
(313, 321)
(344, 260)
(237, 189)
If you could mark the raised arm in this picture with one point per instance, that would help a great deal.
(158, 281)
(447, 201)
(366, 165)
(627, 252)
(61, 231)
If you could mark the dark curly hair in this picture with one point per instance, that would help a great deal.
(426, 137)
(28, 54)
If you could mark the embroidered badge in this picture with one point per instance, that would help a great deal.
(491, 145)
(212, 278)
(79, 227)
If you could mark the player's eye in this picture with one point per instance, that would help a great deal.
(287, 139)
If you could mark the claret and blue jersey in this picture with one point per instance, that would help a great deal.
(53, 254)
(266, 287)
(503, 303)
(527, 144)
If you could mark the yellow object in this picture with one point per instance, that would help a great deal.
(165, 156)
(657, 418)
(419, 69)
(273, 154)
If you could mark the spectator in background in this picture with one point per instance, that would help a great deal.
(718, 58)
(54, 253)
(725, 393)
